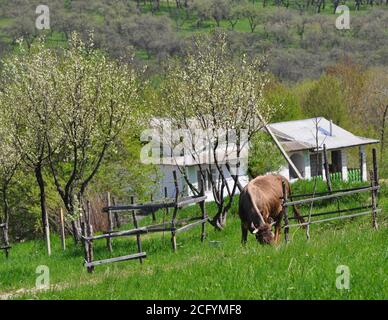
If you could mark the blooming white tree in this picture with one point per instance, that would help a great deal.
(63, 109)
(223, 96)
(9, 163)
(27, 100)
(98, 99)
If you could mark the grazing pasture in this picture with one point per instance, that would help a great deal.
(219, 268)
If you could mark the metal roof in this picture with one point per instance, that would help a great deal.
(299, 135)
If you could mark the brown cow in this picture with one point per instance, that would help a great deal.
(260, 207)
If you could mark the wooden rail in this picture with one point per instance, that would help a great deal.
(325, 192)
(330, 219)
(334, 194)
(331, 196)
(318, 214)
(117, 259)
(175, 226)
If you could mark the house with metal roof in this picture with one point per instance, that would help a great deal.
(303, 141)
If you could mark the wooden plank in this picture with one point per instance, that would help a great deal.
(145, 207)
(118, 234)
(203, 211)
(110, 223)
(373, 200)
(190, 200)
(331, 212)
(117, 217)
(136, 225)
(330, 196)
(327, 171)
(166, 197)
(62, 229)
(173, 220)
(375, 168)
(285, 211)
(116, 259)
(191, 225)
(326, 192)
(283, 152)
(153, 212)
(330, 219)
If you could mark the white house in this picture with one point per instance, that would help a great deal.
(173, 158)
(298, 138)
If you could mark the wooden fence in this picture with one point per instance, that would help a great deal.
(175, 226)
(5, 239)
(310, 198)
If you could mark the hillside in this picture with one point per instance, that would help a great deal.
(299, 38)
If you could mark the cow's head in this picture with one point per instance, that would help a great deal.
(264, 234)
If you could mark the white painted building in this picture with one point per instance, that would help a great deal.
(298, 138)
(190, 161)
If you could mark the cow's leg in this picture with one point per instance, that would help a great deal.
(244, 233)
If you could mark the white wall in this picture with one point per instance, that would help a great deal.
(168, 180)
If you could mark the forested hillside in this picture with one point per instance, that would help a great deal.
(298, 36)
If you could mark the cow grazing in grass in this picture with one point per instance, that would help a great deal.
(260, 208)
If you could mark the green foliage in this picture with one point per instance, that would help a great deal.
(287, 99)
(326, 99)
(264, 156)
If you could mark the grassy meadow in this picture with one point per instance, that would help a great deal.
(219, 268)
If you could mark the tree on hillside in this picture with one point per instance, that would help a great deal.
(9, 163)
(98, 99)
(28, 99)
(326, 99)
(211, 92)
(253, 13)
(375, 107)
(153, 34)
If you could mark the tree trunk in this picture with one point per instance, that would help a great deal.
(45, 223)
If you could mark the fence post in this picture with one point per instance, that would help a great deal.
(173, 232)
(165, 197)
(375, 169)
(376, 184)
(136, 225)
(203, 210)
(285, 211)
(62, 229)
(110, 222)
(153, 212)
(116, 215)
(89, 231)
(374, 199)
(327, 171)
(6, 239)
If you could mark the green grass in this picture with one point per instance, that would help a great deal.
(219, 268)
